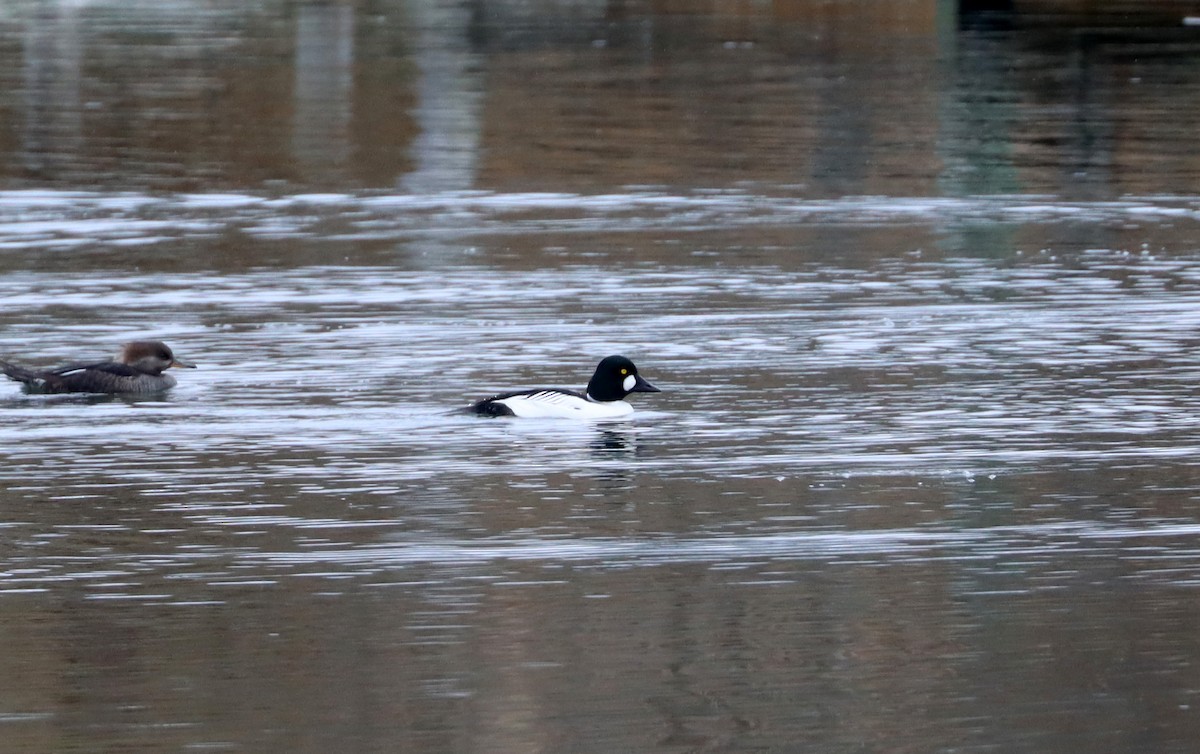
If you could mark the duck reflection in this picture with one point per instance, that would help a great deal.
(615, 444)
(23, 400)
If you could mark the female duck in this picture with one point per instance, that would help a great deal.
(138, 368)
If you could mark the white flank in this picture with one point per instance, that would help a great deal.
(549, 404)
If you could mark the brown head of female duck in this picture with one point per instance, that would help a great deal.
(138, 368)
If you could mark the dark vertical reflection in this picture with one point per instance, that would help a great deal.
(979, 108)
(971, 9)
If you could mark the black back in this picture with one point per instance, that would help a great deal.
(490, 407)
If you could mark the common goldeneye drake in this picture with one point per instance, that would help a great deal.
(615, 378)
(138, 368)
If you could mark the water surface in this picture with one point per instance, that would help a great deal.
(922, 476)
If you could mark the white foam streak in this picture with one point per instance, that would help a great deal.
(62, 217)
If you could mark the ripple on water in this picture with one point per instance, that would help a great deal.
(46, 218)
(875, 400)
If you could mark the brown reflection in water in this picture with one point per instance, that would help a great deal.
(832, 98)
(698, 100)
(526, 658)
(173, 99)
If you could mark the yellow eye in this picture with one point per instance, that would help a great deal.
(624, 371)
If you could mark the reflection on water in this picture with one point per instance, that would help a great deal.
(324, 82)
(587, 96)
(923, 305)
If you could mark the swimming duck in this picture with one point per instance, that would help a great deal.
(615, 378)
(138, 368)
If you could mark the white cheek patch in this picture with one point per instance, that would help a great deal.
(629, 382)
